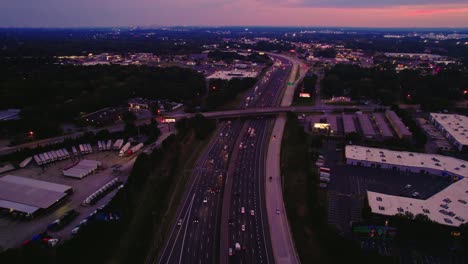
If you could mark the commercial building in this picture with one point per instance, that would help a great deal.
(401, 130)
(447, 207)
(30, 196)
(228, 75)
(406, 161)
(454, 127)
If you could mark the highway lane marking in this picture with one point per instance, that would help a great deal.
(178, 232)
(186, 226)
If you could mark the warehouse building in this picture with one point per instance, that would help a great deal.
(384, 130)
(82, 169)
(348, 124)
(30, 196)
(401, 130)
(406, 161)
(454, 127)
(448, 207)
(366, 125)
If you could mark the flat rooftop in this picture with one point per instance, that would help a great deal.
(408, 159)
(227, 75)
(455, 125)
(447, 207)
(27, 195)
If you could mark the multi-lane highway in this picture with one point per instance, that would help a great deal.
(198, 232)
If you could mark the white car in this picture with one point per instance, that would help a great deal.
(179, 223)
(252, 212)
(205, 200)
(230, 251)
(242, 210)
(243, 227)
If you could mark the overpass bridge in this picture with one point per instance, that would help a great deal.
(274, 110)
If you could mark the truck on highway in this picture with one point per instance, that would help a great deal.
(124, 149)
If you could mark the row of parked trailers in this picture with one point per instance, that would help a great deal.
(51, 156)
(103, 145)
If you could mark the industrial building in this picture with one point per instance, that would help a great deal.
(228, 75)
(448, 207)
(366, 125)
(348, 124)
(30, 196)
(401, 130)
(82, 169)
(406, 161)
(454, 127)
(384, 130)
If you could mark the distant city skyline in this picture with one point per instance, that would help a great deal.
(321, 13)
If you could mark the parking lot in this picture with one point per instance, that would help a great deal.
(13, 231)
(348, 186)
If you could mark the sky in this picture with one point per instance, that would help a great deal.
(350, 13)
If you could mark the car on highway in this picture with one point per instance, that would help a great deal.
(196, 220)
(243, 227)
(179, 223)
(277, 211)
(242, 210)
(230, 252)
(205, 200)
(252, 212)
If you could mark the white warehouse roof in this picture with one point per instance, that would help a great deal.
(455, 125)
(454, 198)
(408, 159)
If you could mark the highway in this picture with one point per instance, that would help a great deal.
(198, 228)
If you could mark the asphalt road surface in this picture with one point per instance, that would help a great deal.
(197, 231)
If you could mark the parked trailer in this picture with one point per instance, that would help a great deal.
(25, 162)
(82, 149)
(100, 145)
(56, 154)
(109, 144)
(90, 148)
(43, 158)
(51, 156)
(67, 155)
(124, 149)
(137, 147)
(118, 144)
(37, 160)
(62, 154)
(47, 157)
(75, 152)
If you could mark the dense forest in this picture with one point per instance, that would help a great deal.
(49, 94)
(433, 92)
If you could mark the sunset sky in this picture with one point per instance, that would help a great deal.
(352, 13)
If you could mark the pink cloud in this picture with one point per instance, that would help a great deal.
(438, 11)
